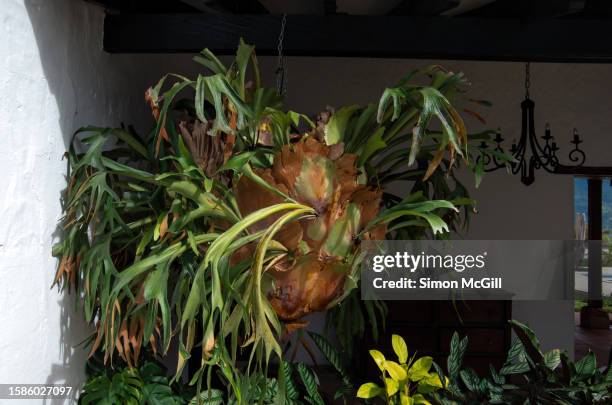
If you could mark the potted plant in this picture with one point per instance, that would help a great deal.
(528, 376)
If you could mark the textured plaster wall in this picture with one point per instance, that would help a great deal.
(54, 78)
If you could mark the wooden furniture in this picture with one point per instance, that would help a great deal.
(428, 326)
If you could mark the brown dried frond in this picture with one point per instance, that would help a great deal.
(152, 99)
(206, 150)
(322, 119)
(65, 275)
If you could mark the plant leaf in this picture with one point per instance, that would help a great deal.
(336, 127)
(379, 359)
(420, 368)
(586, 366)
(400, 348)
(396, 371)
(369, 390)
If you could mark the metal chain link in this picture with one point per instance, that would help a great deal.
(527, 79)
(281, 70)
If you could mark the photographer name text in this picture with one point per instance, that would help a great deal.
(428, 283)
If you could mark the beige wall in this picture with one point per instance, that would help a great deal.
(567, 96)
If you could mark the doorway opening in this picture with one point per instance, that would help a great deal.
(593, 276)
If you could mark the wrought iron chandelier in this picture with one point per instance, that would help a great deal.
(530, 154)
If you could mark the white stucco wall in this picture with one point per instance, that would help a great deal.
(54, 78)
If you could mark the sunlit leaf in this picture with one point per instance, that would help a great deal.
(369, 390)
(400, 348)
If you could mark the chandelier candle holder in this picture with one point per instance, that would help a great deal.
(531, 154)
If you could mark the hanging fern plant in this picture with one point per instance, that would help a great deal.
(234, 218)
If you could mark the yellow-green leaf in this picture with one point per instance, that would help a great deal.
(237, 162)
(392, 386)
(434, 380)
(405, 399)
(336, 127)
(420, 399)
(396, 371)
(420, 368)
(340, 238)
(369, 390)
(208, 184)
(161, 226)
(400, 348)
(379, 358)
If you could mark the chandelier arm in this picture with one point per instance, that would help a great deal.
(496, 163)
(577, 155)
(544, 161)
(544, 158)
(519, 155)
(517, 167)
(579, 160)
(491, 164)
(521, 147)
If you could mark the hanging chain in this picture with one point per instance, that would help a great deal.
(281, 70)
(527, 79)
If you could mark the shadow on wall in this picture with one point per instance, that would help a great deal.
(73, 331)
(89, 87)
(63, 64)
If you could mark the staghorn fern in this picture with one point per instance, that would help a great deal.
(160, 246)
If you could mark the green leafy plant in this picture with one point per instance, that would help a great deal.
(407, 381)
(124, 388)
(336, 360)
(150, 385)
(606, 304)
(527, 376)
(298, 383)
(234, 218)
(147, 384)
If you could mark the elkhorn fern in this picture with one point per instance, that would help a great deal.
(234, 218)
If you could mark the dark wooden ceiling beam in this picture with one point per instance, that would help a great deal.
(597, 8)
(423, 8)
(526, 9)
(145, 6)
(204, 6)
(546, 40)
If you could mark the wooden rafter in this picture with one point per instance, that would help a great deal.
(544, 40)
